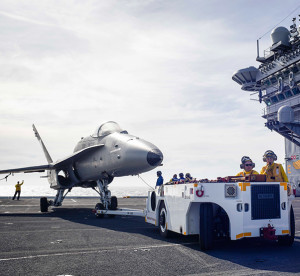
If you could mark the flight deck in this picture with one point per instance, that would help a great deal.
(70, 240)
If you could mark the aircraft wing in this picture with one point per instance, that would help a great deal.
(31, 169)
(75, 156)
(56, 165)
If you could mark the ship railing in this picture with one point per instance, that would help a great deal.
(267, 52)
(274, 107)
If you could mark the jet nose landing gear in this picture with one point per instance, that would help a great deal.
(108, 202)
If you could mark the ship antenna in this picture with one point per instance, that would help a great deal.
(279, 22)
(257, 46)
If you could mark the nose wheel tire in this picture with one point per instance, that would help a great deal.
(163, 226)
(113, 205)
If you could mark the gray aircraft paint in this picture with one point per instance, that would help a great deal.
(103, 155)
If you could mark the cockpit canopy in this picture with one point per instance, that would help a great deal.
(108, 128)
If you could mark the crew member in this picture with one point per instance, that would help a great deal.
(273, 171)
(181, 177)
(18, 190)
(160, 179)
(188, 177)
(174, 178)
(247, 165)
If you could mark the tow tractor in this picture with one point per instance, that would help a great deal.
(229, 208)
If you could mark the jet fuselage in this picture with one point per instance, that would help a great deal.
(121, 154)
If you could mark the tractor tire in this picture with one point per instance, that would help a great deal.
(162, 225)
(153, 201)
(288, 240)
(206, 226)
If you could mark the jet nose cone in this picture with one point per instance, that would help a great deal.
(154, 157)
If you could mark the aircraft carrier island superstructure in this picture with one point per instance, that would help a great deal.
(277, 83)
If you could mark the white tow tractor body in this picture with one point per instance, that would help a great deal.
(221, 210)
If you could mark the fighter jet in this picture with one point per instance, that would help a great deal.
(109, 152)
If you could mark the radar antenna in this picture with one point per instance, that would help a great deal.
(294, 32)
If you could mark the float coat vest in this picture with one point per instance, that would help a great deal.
(244, 173)
(18, 186)
(274, 173)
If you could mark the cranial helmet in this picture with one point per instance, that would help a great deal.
(269, 153)
(244, 160)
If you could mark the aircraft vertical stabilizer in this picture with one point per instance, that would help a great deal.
(48, 157)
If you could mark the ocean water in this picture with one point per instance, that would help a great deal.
(36, 186)
(8, 190)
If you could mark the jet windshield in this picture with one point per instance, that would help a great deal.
(108, 128)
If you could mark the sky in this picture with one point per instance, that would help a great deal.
(161, 69)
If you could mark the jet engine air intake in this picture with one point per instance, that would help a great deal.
(63, 178)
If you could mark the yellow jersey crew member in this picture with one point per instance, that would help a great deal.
(273, 171)
(18, 190)
(247, 165)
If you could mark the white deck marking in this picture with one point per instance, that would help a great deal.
(19, 205)
(72, 230)
(73, 200)
(237, 272)
(96, 251)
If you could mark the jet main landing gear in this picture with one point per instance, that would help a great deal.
(60, 196)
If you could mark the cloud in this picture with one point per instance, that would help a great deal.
(162, 69)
